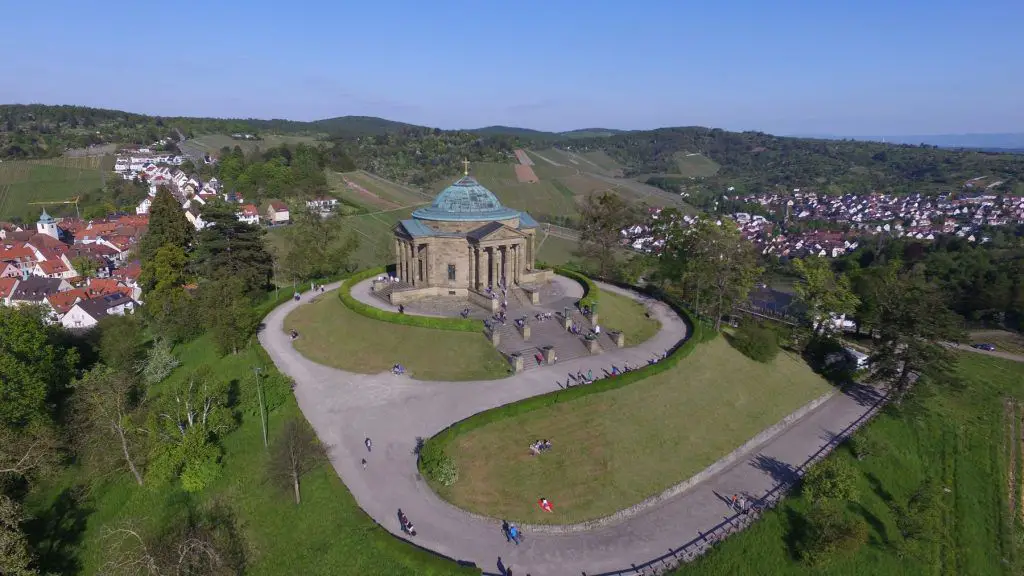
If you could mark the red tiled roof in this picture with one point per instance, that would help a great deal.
(52, 267)
(129, 272)
(61, 302)
(15, 251)
(7, 286)
(103, 286)
(278, 206)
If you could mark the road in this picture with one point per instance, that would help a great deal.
(345, 408)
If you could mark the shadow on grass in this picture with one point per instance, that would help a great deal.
(882, 539)
(56, 532)
(796, 532)
(877, 488)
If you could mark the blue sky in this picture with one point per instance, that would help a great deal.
(782, 66)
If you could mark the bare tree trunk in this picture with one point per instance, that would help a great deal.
(295, 486)
(127, 454)
(718, 312)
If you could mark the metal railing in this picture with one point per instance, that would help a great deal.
(706, 540)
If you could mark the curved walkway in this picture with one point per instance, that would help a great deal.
(345, 408)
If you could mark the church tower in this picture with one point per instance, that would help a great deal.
(47, 225)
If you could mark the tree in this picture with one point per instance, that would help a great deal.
(187, 425)
(228, 248)
(34, 370)
(121, 343)
(758, 343)
(316, 248)
(160, 362)
(15, 557)
(85, 266)
(830, 529)
(169, 307)
(229, 314)
(204, 542)
(913, 327)
(27, 451)
(295, 452)
(831, 479)
(167, 226)
(712, 264)
(602, 219)
(108, 402)
(824, 293)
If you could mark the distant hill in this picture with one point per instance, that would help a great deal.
(358, 125)
(592, 133)
(513, 131)
(1007, 141)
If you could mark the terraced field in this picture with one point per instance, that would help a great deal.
(372, 192)
(24, 181)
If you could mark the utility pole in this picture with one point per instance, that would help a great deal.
(256, 370)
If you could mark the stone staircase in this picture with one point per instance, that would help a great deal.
(384, 291)
(543, 333)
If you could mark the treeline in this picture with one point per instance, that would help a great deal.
(421, 156)
(981, 282)
(282, 172)
(755, 161)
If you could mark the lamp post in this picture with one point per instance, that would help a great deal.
(257, 371)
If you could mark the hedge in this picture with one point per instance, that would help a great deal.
(270, 301)
(700, 332)
(454, 324)
(590, 291)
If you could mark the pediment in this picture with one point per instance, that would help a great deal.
(494, 231)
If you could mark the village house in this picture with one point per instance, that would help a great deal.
(322, 204)
(85, 314)
(277, 213)
(249, 214)
(35, 289)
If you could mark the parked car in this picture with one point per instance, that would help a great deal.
(984, 346)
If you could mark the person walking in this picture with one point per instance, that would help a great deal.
(513, 532)
(505, 530)
(734, 498)
(369, 448)
(364, 463)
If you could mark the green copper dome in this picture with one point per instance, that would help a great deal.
(465, 200)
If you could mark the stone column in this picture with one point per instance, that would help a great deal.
(494, 267)
(413, 268)
(404, 255)
(426, 264)
(398, 258)
(515, 263)
(506, 268)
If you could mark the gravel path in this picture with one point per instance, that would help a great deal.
(345, 408)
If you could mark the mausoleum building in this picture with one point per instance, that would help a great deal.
(462, 244)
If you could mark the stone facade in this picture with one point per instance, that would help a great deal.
(465, 241)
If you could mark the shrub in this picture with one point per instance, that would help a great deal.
(861, 445)
(590, 291)
(438, 466)
(756, 342)
(455, 324)
(830, 529)
(831, 479)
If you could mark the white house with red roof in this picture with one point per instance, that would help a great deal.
(249, 214)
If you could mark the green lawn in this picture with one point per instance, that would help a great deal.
(614, 449)
(956, 435)
(328, 534)
(626, 315)
(332, 334)
(554, 250)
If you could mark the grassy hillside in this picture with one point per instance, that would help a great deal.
(214, 142)
(694, 165)
(960, 437)
(53, 179)
(326, 534)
